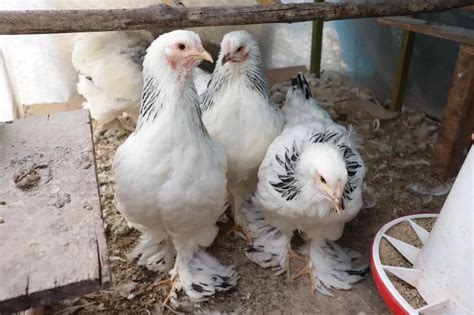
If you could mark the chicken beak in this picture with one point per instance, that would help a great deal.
(225, 59)
(338, 204)
(204, 55)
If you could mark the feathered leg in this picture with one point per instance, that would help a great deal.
(332, 267)
(196, 272)
(270, 248)
(157, 256)
(200, 277)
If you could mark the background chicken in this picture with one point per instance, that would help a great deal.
(109, 65)
(311, 181)
(239, 113)
(170, 176)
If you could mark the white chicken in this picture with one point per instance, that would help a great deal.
(240, 115)
(311, 181)
(109, 65)
(170, 175)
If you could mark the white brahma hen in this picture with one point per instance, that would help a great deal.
(109, 65)
(311, 181)
(170, 175)
(240, 115)
(300, 107)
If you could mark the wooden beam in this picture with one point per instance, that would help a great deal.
(454, 135)
(452, 33)
(162, 16)
(401, 74)
(316, 46)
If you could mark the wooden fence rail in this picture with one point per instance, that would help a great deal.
(162, 16)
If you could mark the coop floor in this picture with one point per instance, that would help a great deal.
(396, 151)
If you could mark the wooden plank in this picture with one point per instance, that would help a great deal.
(452, 33)
(316, 46)
(163, 16)
(401, 74)
(173, 3)
(52, 239)
(51, 108)
(454, 135)
(283, 74)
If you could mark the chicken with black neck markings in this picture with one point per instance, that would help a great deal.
(171, 176)
(240, 115)
(310, 181)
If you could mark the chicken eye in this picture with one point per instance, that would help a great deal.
(181, 46)
(240, 48)
(322, 180)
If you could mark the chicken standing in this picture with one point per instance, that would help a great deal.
(311, 181)
(170, 175)
(239, 113)
(109, 65)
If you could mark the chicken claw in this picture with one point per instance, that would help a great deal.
(240, 230)
(168, 282)
(308, 269)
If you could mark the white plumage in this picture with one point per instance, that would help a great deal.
(109, 65)
(311, 181)
(170, 175)
(239, 113)
(301, 108)
(201, 79)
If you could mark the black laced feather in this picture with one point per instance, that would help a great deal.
(216, 82)
(258, 82)
(287, 185)
(326, 136)
(351, 166)
(300, 83)
(148, 106)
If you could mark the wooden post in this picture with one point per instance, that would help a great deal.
(458, 118)
(316, 46)
(401, 74)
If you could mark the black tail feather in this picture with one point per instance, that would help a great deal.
(300, 83)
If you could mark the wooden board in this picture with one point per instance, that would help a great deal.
(50, 108)
(452, 33)
(52, 240)
(454, 135)
(283, 74)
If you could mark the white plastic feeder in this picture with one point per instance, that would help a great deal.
(442, 269)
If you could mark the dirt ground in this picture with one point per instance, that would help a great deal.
(397, 152)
